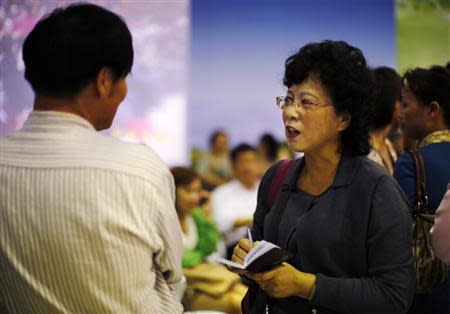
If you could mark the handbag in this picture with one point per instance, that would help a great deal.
(429, 270)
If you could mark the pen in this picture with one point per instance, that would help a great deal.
(249, 234)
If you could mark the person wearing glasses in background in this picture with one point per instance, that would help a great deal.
(345, 219)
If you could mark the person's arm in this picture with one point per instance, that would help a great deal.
(168, 259)
(405, 174)
(440, 233)
(388, 286)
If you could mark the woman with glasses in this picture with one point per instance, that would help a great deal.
(342, 216)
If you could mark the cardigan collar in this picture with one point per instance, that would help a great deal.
(347, 167)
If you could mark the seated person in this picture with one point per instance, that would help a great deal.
(209, 285)
(267, 151)
(214, 165)
(234, 202)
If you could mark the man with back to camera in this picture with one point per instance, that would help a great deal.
(88, 223)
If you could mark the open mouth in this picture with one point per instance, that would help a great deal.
(291, 132)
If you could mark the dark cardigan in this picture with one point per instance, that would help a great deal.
(356, 239)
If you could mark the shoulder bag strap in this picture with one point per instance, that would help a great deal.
(277, 181)
(421, 191)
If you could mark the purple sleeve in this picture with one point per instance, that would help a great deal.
(440, 233)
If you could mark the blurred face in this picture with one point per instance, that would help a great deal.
(314, 130)
(221, 143)
(246, 167)
(188, 197)
(413, 116)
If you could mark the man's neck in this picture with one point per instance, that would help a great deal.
(48, 103)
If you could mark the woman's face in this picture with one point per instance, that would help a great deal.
(188, 197)
(412, 118)
(314, 130)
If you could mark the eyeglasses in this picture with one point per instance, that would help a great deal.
(305, 103)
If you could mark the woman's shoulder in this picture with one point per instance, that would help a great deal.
(370, 169)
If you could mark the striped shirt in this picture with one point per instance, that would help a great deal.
(87, 223)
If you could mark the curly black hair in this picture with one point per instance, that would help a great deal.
(430, 85)
(343, 71)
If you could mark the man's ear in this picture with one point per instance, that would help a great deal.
(344, 121)
(104, 82)
(433, 109)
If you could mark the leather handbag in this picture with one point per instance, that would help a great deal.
(429, 270)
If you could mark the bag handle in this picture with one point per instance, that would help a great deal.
(421, 190)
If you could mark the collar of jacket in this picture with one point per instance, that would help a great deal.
(347, 167)
(436, 137)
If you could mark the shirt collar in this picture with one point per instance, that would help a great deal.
(41, 118)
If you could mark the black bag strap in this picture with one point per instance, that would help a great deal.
(421, 188)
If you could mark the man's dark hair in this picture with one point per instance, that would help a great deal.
(387, 90)
(239, 149)
(428, 85)
(343, 71)
(67, 48)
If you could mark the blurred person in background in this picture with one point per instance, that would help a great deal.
(267, 151)
(426, 119)
(209, 285)
(233, 203)
(87, 223)
(343, 217)
(387, 88)
(214, 166)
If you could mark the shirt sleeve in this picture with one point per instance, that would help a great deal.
(168, 227)
(440, 233)
(405, 174)
(388, 286)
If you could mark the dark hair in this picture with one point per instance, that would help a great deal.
(183, 175)
(343, 71)
(239, 149)
(387, 90)
(67, 48)
(215, 135)
(430, 85)
(271, 146)
(448, 66)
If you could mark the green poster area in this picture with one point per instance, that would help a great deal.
(423, 33)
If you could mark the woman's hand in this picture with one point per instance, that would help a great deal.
(241, 250)
(285, 281)
(239, 253)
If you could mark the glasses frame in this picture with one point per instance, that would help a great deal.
(298, 105)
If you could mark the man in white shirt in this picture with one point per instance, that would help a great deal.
(233, 203)
(87, 223)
